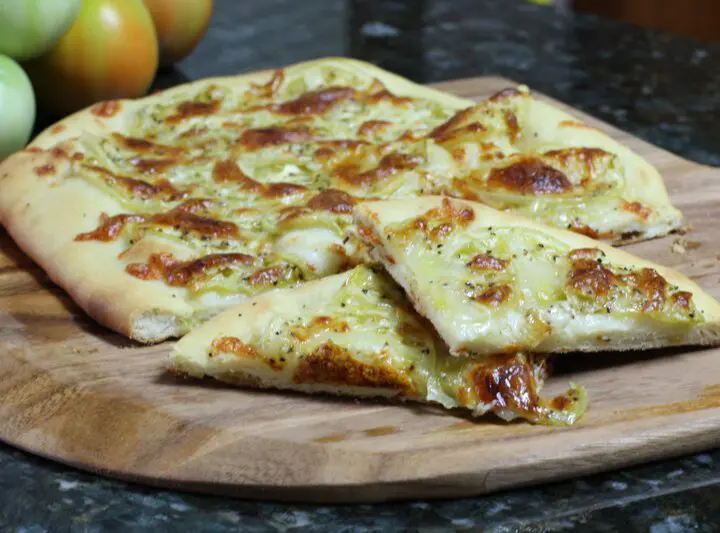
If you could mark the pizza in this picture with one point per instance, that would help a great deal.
(493, 282)
(155, 214)
(356, 334)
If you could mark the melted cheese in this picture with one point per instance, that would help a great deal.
(356, 334)
(261, 152)
(500, 289)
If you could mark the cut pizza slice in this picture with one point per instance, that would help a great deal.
(356, 334)
(494, 282)
(516, 152)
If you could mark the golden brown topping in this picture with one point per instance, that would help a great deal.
(371, 127)
(106, 109)
(507, 382)
(229, 172)
(199, 225)
(320, 324)
(57, 128)
(143, 145)
(194, 206)
(267, 90)
(462, 216)
(454, 122)
(153, 166)
(193, 109)
(512, 125)
(493, 296)
(163, 189)
(505, 94)
(588, 155)
(652, 286)
(529, 176)
(179, 273)
(583, 229)
(487, 262)
(441, 230)
(78, 156)
(315, 102)
(254, 139)
(332, 200)
(279, 189)
(385, 94)
(44, 170)
(233, 345)
(637, 208)
(682, 299)
(33, 150)
(368, 235)
(266, 276)
(388, 166)
(591, 278)
(333, 365)
(110, 228)
(585, 253)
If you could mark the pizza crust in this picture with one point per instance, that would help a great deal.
(638, 334)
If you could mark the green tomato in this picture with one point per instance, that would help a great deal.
(17, 107)
(29, 28)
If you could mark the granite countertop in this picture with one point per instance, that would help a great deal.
(665, 89)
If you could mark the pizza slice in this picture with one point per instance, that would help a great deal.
(493, 282)
(356, 334)
(516, 152)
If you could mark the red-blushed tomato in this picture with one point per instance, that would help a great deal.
(110, 52)
(180, 24)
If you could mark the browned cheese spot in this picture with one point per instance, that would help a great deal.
(636, 207)
(187, 110)
(590, 278)
(257, 138)
(266, 276)
(389, 165)
(333, 365)
(319, 324)
(315, 102)
(493, 296)
(652, 286)
(332, 200)
(230, 172)
(509, 382)
(45, 170)
(164, 266)
(106, 109)
(483, 262)
(529, 176)
(110, 228)
(141, 189)
(371, 127)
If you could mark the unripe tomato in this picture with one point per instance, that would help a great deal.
(17, 107)
(180, 24)
(110, 52)
(30, 28)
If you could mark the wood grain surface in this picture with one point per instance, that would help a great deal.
(82, 395)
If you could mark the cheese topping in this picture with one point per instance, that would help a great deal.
(367, 337)
(229, 171)
(500, 289)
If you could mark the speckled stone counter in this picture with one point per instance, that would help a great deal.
(665, 89)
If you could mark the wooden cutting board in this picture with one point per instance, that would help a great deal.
(79, 394)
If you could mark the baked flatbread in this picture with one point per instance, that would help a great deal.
(494, 282)
(356, 334)
(157, 213)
